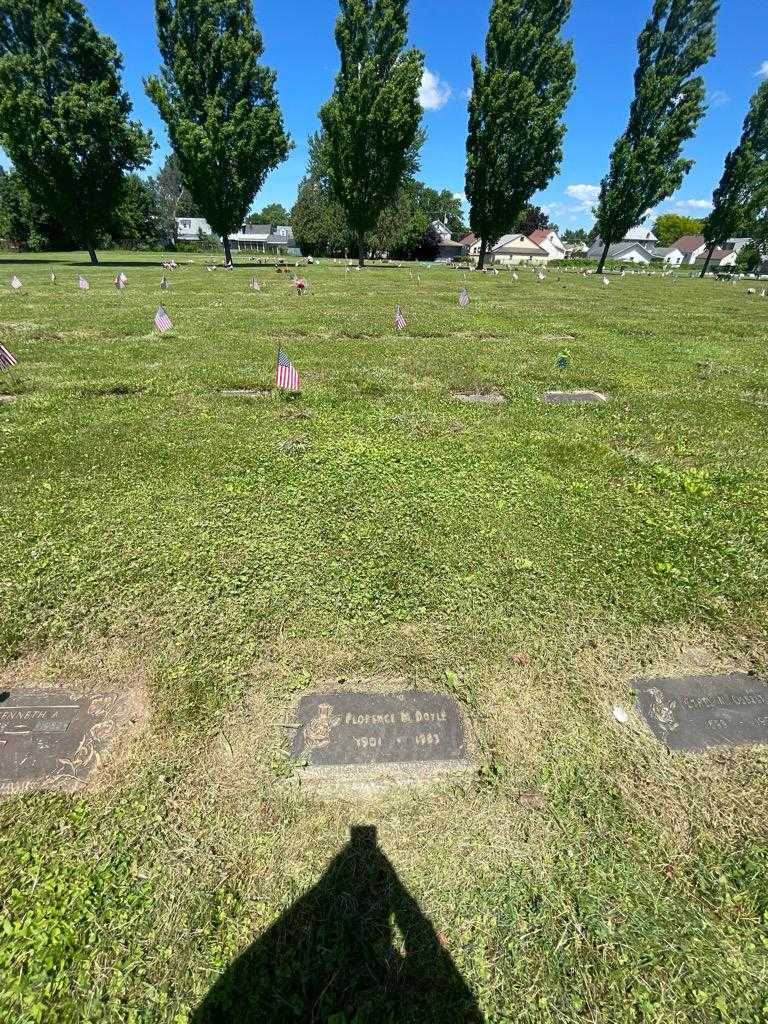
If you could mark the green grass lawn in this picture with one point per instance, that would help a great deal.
(215, 557)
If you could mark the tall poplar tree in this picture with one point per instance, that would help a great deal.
(219, 104)
(740, 194)
(371, 122)
(64, 117)
(515, 137)
(646, 163)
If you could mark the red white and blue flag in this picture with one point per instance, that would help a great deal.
(7, 359)
(463, 298)
(162, 321)
(82, 283)
(164, 285)
(121, 281)
(287, 376)
(400, 323)
(255, 286)
(15, 283)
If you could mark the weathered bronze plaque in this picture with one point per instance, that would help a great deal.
(572, 397)
(378, 728)
(52, 738)
(696, 712)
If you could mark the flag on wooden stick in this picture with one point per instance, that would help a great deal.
(400, 322)
(82, 283)
(162, 321)
(7, 359)
(287, 376)
(164, 285)
(121, 281)
(255, 286)
(15, 283)
(53, 278)
(463, 298)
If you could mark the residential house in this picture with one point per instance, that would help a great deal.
(467, 242)
(641, 234)
(192, 229)
(669, 255)
(251, 238)
(447, 249)
(512, 250)
(692, 247)
(549, 241)
(721, 258)
(624, 252)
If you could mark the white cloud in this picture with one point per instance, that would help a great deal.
(586, 196)
(434, 92)
(719, 98)
(693, 204)
(762, 71)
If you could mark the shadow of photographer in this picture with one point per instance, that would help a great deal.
(334, 956)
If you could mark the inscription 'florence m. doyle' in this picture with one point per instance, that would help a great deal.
(372, 728)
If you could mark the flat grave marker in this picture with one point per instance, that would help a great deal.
(416, 730)
(53, 739)
(480, 397)
(572, 397)
(694, 713)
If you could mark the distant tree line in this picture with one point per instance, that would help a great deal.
(65, 123)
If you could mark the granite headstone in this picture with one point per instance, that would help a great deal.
(694, 713)
(52, 738)
(378, 728)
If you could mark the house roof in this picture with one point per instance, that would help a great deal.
(540, 235)
(737, 244)
(640, 234)
(717, 255)
(689, 243)
(619, 249)
(518, 245)
(469, 239)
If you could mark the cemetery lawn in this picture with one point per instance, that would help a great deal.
(215, 557)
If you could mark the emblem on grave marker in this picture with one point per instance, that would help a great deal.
(317, 732)
(663, 712)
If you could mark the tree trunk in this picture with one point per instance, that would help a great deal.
(92, 254)
(227, 253)
(707, 260)
(603, 258)
(361, 251)
(481, 257)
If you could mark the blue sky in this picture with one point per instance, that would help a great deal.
(299, 44)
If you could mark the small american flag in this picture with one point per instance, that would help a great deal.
(162, 321)
(287, 376)
(164, 284)
(400, 323)
(7, 359)
(255, 286)
(121, 281)
(463, 298)
(15, 283)
(82, 283)
(53, 278)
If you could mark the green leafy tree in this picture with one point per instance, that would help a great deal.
(173, 199)
(749, 259)
(646, 163)
(219, 104)
(25, 223)
(532, 219)
(273, 213)
(515, 137)
(671, 226)
(371, 122)
(440, 205)
(318, 221)
(574, 236)
(64, 117)
(741, 195)
(138, 218)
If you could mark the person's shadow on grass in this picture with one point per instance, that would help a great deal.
(333, 957)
